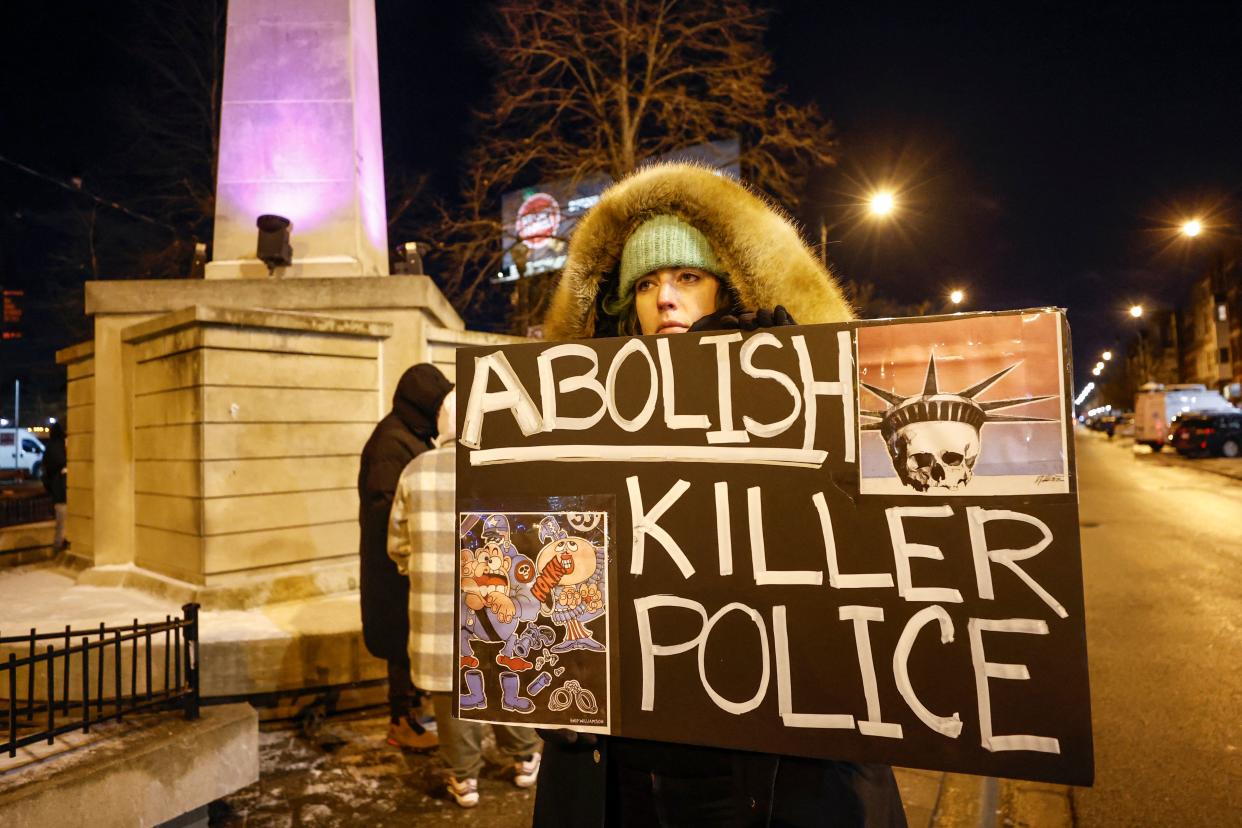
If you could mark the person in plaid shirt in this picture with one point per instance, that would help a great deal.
(422, 541)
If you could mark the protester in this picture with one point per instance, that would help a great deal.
(422, 542)
(406, 432)
(55, 480)
(673, 248)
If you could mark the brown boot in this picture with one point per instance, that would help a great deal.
(401, 735)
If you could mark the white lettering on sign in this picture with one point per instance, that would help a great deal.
(842, 388)
(950, 726)
(584, 382)
(985, 670)
(861, 617)
(804, 392)
(727, 433)
(835, 577)
(724, 530)
(668, 391)
(874, 724)
(784, 687)
(976, 518)
(649, 649)
(747, 357)
(481, 401)
(903, 551)
(634, 346)
(645, 523)
(758, 554)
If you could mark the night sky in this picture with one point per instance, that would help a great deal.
(1041, 154)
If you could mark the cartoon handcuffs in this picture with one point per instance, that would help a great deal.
(572, 693)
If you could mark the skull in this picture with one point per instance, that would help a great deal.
(937, 454)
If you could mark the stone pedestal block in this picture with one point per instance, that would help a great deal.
(215, 428)
(247, 427)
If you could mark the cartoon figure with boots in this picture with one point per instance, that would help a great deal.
(495, 600)
(571, 570)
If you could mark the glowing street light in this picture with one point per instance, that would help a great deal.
(1106, 356)
(1136, 311)
(1096, 371)
(882, 203)
(1099, 366)
(1192, 228)
(957, 296)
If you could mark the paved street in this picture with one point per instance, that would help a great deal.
(1162, 552)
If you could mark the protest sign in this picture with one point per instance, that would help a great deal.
(854, 541)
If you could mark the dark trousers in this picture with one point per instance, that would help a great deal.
(399, 688)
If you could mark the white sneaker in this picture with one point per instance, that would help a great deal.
(464, 793)
(525, 773)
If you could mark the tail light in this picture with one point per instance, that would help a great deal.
(1206, 431)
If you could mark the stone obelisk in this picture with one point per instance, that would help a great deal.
(300, 138)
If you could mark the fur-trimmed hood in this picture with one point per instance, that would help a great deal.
(766, 260)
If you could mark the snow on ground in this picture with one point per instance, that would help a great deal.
(45, 598)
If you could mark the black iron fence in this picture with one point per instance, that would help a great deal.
(25, 509)
(72, 679)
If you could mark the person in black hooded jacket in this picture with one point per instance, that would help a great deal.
(54, 482)
(405, 433)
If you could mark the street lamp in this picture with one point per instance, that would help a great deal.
(1136, 311)
(1099, 366)
(881, 203)
(1107, 355)
(956, 296)
(1192, 228)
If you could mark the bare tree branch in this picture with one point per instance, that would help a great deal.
(584, 89)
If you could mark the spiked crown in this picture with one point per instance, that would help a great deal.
(934, 405)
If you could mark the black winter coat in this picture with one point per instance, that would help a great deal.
(757, 789)
(402, 435)
(54, 469)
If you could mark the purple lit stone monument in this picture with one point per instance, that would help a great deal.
(300, 137)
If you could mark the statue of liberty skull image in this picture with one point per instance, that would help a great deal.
(934, 438)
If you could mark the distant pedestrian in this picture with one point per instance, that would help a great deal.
(422, 540)
(406, 432)
(55, 479)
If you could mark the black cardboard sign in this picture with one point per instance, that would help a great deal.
(854, 541)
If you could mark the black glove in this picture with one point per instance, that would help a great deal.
(731, 319)
(764, 318)
(724, 319)
(570, 739)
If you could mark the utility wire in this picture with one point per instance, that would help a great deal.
(65, 185)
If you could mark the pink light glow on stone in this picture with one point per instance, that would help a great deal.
(300, 130)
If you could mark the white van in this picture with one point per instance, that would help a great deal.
(1156, 405)
(20, 450)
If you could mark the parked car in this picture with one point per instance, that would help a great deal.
(1212, 432)
(1156, 405)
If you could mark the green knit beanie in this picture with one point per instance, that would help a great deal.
(664, 241)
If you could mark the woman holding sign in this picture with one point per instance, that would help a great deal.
(676, 248)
